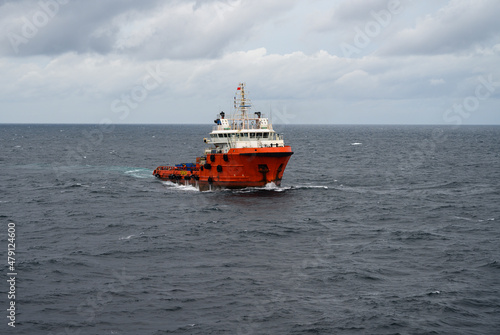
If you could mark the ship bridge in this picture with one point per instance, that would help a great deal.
(242, 129)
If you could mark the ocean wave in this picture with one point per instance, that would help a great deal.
(494, 265)
(472, 219)
(272, 187)
(269, 187)
(140, 173)
(77, 185)
(180, 187)
(306, 187)
(126, 237)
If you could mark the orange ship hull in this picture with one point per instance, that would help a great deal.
(238, 168)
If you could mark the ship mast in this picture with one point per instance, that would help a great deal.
(242, 105)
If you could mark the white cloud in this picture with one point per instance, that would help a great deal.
(294, 76)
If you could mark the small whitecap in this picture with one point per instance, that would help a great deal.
(188, 187)
(356, 143)
(126, 238)
(311, 187)
(271, 186)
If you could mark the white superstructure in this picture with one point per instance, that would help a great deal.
(242, 129)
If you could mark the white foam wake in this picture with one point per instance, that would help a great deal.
(140, 173)
(181, 187)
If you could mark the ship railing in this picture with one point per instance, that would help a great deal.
(216, 151)
(232, 139)
(248, 124)
(220, 127)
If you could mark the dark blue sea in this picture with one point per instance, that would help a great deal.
(374, 230)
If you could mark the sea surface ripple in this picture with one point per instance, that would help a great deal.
(375, 230)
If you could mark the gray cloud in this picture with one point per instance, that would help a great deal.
(345, 15)
(197, 30)
(147, 29)
(57, 26)
(460, 26)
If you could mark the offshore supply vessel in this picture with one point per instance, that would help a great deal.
(245, 152)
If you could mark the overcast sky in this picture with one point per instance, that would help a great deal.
(314, 61)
